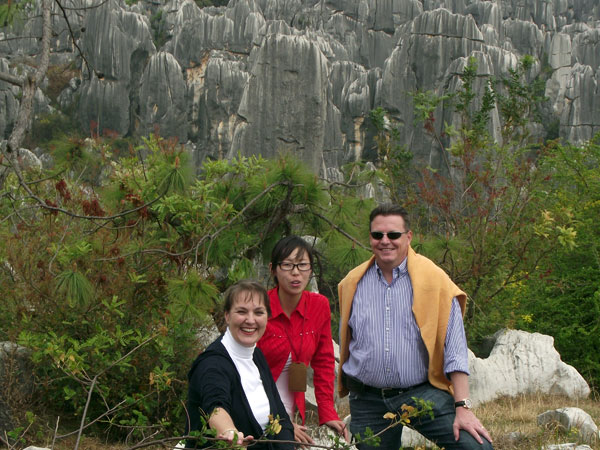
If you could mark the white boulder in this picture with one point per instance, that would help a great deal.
(521, 363)
(572, 420)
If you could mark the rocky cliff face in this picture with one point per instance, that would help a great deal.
(265, 76)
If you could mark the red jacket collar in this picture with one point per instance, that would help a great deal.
(276, 309)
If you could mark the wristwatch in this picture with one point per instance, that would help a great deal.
(466, 403)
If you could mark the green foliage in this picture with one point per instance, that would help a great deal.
(392, 155)
(520, 104)
(191, 296)
(111, 306)
(512, 221)
(75, 286)
(11, 11)
(568, 281)
(159, 31)
(205, 3)
(58, 78)
(52, 127)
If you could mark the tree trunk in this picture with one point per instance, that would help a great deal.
(29, 85)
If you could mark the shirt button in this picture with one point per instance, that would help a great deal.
(387, 349)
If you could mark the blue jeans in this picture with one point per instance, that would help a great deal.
(367, 410)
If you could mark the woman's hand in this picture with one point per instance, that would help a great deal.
(221, 421)
(340, 428)
(300, 435)
(232, 435)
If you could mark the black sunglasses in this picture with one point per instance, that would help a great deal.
(392, 235)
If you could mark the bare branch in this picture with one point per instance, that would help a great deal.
(32, 82)
(84, 8)
(55, 432)
(95, 379)
(117, 407)
(44, 205)
(17, 81)
(87, 63)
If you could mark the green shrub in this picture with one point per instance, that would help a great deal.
(108, 281)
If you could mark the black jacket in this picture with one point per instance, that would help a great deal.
(215, 382)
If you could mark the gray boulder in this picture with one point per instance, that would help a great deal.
(28, 160)
(16, 383)
(520, 363)
(568, 446)
(573, 420)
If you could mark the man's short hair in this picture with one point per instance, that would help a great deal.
(390, 209)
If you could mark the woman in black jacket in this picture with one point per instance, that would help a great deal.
(230, 383)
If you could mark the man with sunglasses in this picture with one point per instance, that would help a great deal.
(402, 337)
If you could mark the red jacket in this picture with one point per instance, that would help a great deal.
(312, 318)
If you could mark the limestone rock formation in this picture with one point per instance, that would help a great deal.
(301, 76)
(118, 45)
(160, 109)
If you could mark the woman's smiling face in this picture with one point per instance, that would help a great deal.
(247, 318)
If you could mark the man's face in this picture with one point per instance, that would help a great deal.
(389, 253)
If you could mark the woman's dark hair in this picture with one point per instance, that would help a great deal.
(245, 288)
(285, 247)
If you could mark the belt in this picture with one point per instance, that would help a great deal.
(355, 385)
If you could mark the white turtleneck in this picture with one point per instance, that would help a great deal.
(250, 376)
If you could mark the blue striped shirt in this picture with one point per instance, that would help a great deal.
(386, 348)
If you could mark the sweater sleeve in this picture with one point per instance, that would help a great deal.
(210, 386)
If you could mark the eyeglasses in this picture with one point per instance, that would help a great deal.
(392, 235)
(288, 267)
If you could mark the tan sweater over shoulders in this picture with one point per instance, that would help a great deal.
(433, 291)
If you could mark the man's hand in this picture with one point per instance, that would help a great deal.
(466, 420)
(340, 428)
(300, 435)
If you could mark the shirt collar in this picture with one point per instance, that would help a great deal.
(398, 271)
(276, 305)
(234, 348)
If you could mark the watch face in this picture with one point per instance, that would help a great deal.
(466, 403)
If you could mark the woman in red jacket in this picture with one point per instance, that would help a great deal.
(298, 334)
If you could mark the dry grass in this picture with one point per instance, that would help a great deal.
(512, 421)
